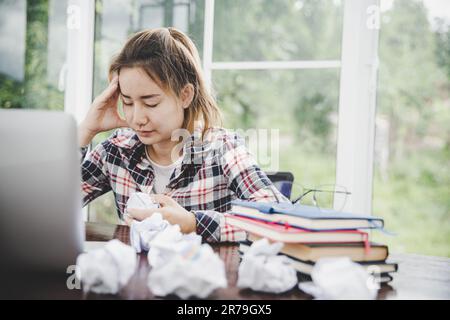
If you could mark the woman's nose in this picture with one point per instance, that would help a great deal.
(140, 118)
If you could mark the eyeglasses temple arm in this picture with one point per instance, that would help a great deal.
(302, 196)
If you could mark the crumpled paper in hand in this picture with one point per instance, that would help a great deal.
(108, 269)
(169, 243)
(183, 266)
(140, 200)
(340, 278)
(261, 269)
(142, 232)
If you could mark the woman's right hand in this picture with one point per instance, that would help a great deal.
(102, 115)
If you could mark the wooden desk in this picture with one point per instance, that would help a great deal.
(419, 277)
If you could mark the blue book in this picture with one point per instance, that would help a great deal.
(305, 217)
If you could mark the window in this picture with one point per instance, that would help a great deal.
(289, 30)
(32, 59)
(275, 65)
(412, 149)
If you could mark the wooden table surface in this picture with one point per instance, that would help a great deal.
(418, 277)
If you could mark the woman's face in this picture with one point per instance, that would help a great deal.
(153, 113)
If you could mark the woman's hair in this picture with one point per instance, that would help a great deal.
(171, 59)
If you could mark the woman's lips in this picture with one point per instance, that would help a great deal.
(146, 133)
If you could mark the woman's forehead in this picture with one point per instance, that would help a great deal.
(135, 82)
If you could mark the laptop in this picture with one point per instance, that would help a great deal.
(41, 222)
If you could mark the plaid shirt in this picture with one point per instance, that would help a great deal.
(214, 171)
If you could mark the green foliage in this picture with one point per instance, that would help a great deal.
(413, 194)
(276, 30)
(409, 75)
(11, 92)
(415, 204)
(35, 85)
(312, 115)
(35, 91)
(443, 45)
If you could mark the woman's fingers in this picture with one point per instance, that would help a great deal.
(141, 214)
(128, 219)
(111, 91)
(163, 199)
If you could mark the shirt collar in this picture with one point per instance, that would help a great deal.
(195, 148)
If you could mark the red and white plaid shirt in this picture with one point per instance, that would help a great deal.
(215, 170)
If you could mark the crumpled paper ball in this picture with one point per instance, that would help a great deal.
(140, 200)
(168, 243)
(340, 278)
(142, 232)
(108, 269)
(261, 269)
(196, 271)
(181, 265)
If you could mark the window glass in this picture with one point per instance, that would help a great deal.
(32, 54)
(412, 149)
(267, 30)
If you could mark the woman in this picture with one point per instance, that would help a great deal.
(158, 77)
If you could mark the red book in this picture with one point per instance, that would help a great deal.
(289, 234)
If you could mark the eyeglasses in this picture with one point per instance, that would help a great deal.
(322, 196)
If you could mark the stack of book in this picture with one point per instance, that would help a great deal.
(310, 233)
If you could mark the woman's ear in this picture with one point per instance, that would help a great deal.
(187, 95)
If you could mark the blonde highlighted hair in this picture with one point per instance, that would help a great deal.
(170, 58)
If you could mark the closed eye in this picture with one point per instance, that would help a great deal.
(126, 103)
(147, 105)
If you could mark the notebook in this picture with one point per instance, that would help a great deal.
(314, 251)
(289, 234)
(305, 217)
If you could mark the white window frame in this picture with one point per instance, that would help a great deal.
(357, 102)
(80, 61)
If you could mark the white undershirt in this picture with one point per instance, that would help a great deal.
(162, 173)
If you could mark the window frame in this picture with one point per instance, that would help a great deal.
(357, 105)
(80, 62)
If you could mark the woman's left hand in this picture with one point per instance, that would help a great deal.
(170, 211)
